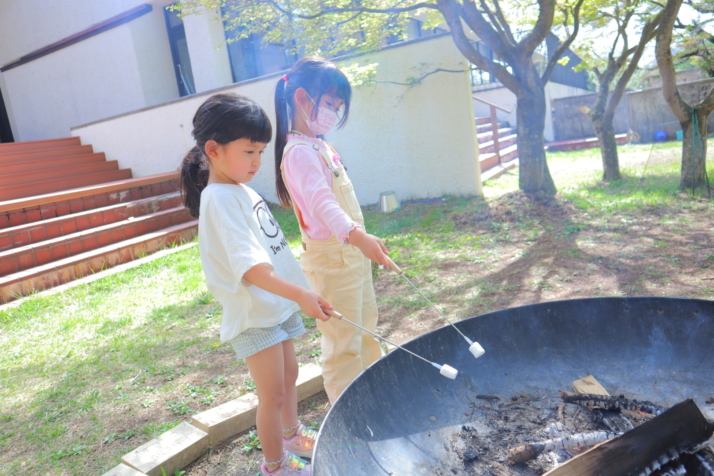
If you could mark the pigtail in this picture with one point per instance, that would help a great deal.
(194, 178)
(281, 139)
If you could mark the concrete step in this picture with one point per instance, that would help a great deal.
(498, 170)
(51, 228)
(14, 192)
(46, 154)
(488, 135)
(67, 269)
(483, 120)
(488, 161)
(503, 142)
(50, 163)
(487, 127)
(35, 145)
(44, 252)
(54, 173)
(86, 196)
(584, 143)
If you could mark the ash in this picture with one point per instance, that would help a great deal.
(494, 425)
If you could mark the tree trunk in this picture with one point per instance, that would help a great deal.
(605, 132)
(694, 152)
(534, 175)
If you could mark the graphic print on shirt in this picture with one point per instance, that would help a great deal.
(270, 228)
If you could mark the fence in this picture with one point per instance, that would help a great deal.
(644, 111)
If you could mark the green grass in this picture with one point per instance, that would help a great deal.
(79, 368)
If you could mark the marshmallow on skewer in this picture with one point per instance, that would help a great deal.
(476, 350)
(448, 371)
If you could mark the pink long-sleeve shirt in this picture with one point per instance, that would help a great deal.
(309, 180)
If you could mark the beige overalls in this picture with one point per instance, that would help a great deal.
(343, 276)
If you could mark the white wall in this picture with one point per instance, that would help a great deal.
(119, 70)
(505, 98)
(419, 142)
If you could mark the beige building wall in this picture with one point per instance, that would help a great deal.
(419, 142)
(118, 70)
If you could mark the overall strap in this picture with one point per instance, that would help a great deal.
(323, 152)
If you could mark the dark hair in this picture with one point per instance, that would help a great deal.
(222, 118)
(318, 77)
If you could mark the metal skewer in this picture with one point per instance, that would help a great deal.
(474, 347)
(445, 370)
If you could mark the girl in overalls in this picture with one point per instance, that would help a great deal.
(312, 98)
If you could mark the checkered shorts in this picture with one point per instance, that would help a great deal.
(253, 340)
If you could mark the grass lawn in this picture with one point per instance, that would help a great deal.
(91, 373)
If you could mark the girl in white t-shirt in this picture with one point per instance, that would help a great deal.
(250, 270)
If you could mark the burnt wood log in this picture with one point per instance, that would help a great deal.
(607, 402)
(645, 448)
(529, 451)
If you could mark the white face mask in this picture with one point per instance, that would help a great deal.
(326, 120)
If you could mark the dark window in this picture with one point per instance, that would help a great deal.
(179, 52)
(252, 57)
(5, 130)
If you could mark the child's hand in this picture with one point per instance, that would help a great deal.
(312, 303)
(370, 246)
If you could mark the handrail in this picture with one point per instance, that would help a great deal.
(492, 105)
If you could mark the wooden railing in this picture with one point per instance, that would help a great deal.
(494, 125)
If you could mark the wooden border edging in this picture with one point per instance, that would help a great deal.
(183, 444)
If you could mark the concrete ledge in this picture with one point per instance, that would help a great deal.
(309, 382)
(172, 450)
(229, 419)
(123, 470)
(238, 415)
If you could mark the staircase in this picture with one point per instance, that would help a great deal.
(508, 149)
(66, 212)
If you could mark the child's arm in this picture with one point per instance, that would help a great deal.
(370, 246)
(310, 302)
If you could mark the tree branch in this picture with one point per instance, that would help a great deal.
(663, 53)
(565, 45)
(354, 9)
(504, 23)
(488, 34)
(452, 12)
(417, 80)
(648, 33)
(541, 29)
(494, 21)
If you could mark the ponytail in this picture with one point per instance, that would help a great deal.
(222, 118)
(318, 77)
(281, 138)
(194, 178)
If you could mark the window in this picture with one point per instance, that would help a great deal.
(179, 52)
(252, 57)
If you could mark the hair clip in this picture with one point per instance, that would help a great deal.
(285, 78)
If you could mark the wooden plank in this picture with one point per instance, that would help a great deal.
(589, 385)
(680, 428)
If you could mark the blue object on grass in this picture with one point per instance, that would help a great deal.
(660, 136)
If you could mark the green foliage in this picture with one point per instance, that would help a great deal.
(253, 443)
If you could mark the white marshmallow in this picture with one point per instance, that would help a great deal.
(476, 350)
(448, 371)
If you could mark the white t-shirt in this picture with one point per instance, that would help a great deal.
(236, 231)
